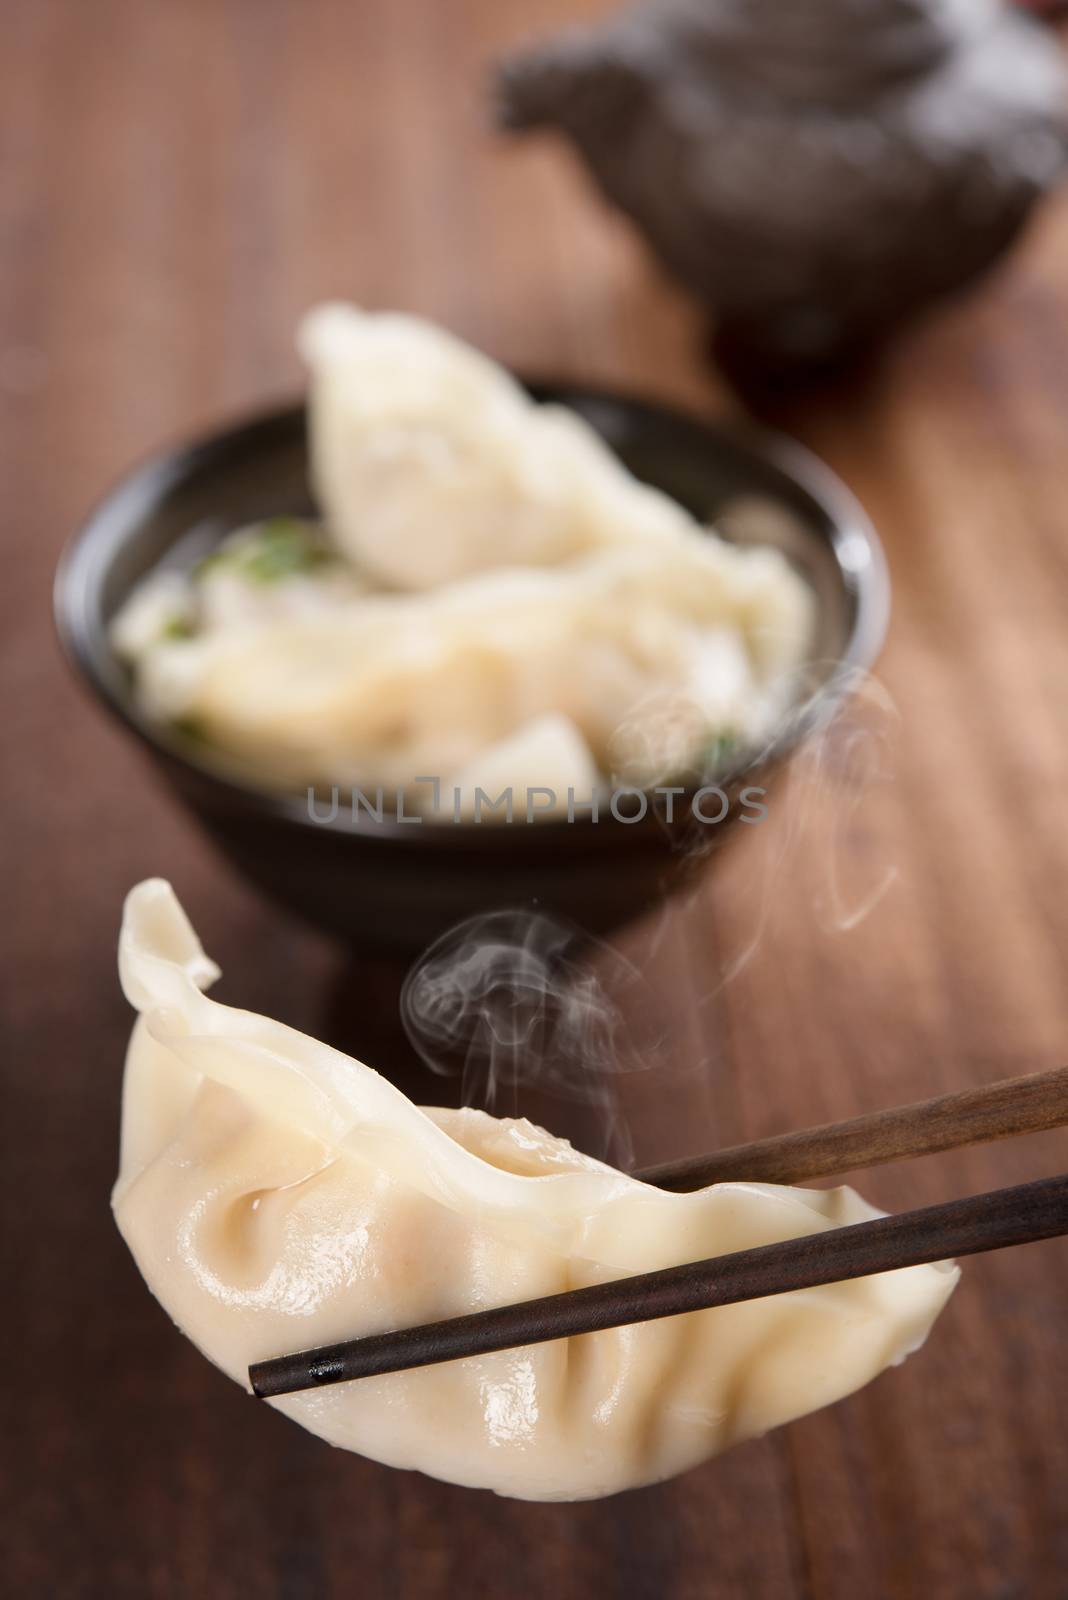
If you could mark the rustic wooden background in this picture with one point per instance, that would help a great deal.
(179, 182)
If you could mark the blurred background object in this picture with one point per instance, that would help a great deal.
(814, 171)
(383, 886)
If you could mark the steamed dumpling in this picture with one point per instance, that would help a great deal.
(643, 654)
(431, 463)
(486, 563)
(543, 765)
(277, 1194)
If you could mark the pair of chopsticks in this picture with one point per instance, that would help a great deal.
(1019, 1215)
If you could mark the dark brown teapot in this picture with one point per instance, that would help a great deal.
(815, 170)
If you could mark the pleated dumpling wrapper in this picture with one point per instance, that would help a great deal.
(277, 1194)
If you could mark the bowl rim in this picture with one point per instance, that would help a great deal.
(854, 544)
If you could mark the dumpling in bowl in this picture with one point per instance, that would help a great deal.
(277, 1194)
(430, 462)
(485, 563)
(646, 655)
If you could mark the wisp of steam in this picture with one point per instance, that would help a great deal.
(516, 1002)
(849, 724)
(519, 1005)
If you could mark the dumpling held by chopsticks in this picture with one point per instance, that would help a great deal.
(277, 1194)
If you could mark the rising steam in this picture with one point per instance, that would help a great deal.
(816, 810)
(518, 1005)
(514, 1002)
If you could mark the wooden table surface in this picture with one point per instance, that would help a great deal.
(179, 183)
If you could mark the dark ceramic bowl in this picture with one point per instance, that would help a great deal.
(392, 887)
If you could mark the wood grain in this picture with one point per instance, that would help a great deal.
(180, 181)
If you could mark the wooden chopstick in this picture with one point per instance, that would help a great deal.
(1019, 1215)
(1026, 1104)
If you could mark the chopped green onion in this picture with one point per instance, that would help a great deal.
(191, 728)
(719, 749)
(177, 627)
(281, 547)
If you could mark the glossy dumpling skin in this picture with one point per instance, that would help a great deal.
(277, 1194)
